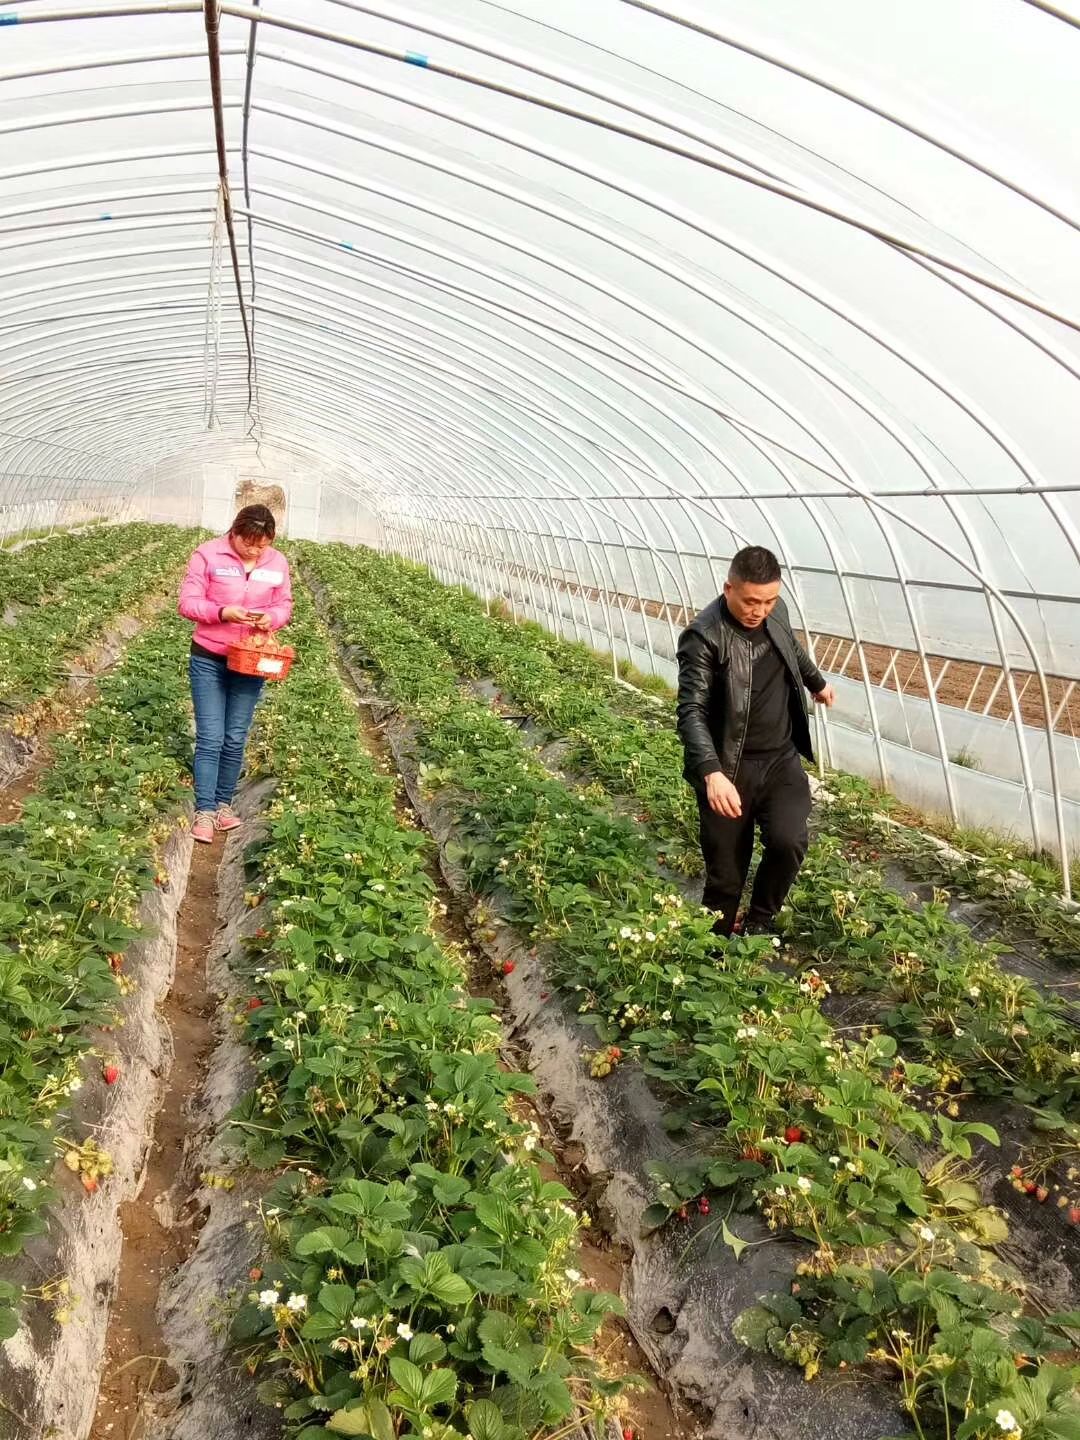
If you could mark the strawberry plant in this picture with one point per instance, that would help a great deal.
(418, 1269)
(27, 576)
(743, 1043)
(33, 647)
(72, 872)
(1023, 888)
(1005, 1034)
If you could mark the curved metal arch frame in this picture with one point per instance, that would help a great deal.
(679, 422)
(571, 492)
(874, 412)
(903, 522)
(877, 415)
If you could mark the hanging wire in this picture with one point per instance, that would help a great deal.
(212, 19)
(212, 340)
(249, 80)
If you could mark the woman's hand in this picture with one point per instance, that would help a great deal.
(260, 619)
(238, 615)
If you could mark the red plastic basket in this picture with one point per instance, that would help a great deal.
(257, 654)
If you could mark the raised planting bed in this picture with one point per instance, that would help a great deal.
(28, 575)
(90, 880)
(573, 690)
(986, 1026)
(1023, 893)
(819, 1134)
(48, 652)
(411, 1271)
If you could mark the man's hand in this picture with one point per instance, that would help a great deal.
(826, 697)
(722, 795)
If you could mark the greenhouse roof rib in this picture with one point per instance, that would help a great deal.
(602, 289)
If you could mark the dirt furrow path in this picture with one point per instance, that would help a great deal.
(156, 1240)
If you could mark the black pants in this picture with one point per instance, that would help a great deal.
(775, 795)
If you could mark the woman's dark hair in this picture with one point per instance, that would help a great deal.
(754, 566)
(253, 522)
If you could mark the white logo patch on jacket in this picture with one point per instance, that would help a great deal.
(267, 577)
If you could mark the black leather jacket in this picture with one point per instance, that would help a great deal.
(714, 689)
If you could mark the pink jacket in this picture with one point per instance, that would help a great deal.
(216, 577)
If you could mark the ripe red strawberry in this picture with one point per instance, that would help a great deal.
(793, 1134)
(544, 994)
(751, 1152)
(89, 1184)
(1042, 1194)
(1074, 1214)
(110, 1074)
(615, 1052)
(508, 967)
(116, 963)
(1030, 1187)
(1017, 1172)
(254, 1003)
(255, 1273)
(703, 1205)
(628, 1432)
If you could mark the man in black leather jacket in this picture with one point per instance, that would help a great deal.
(743, 723)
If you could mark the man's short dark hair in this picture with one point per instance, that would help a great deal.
(754, 565)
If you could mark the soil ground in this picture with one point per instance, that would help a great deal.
(14, 794)
(133, 1364)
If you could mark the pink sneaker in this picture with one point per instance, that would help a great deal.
(227, 818)
(202, 828)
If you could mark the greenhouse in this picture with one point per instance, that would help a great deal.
(483, 483)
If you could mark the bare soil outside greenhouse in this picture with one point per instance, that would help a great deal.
(965, 684)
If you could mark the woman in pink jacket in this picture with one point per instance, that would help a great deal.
(232, 584)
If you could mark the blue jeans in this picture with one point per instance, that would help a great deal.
(224, 705)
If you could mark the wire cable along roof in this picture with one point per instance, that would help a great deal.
(571, 300)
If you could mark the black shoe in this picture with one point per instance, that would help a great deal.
(758, 925)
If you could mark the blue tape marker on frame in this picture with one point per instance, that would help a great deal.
(9, 19)
(413, 57)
